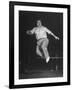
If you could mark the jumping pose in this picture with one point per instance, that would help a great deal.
(42, 41)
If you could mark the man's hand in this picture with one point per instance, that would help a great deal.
(56, 37)
(28, 32)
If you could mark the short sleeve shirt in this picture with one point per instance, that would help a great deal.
(40, 32)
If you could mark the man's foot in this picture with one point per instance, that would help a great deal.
(47, 60)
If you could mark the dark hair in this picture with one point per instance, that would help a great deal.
(39, 20)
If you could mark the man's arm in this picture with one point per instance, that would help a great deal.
(49, 32)
(30, 32)
(54, 36)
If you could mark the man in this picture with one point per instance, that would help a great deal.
(42, 41)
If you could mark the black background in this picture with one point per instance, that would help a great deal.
(27, 44)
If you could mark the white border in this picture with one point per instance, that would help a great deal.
(18, 81)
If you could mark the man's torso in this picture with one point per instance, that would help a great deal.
(40, 32)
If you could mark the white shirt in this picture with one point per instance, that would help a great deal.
(40, 32)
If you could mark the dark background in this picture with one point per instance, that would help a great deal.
(28, 59)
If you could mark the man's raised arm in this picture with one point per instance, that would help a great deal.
(49, 32)
(54, 36)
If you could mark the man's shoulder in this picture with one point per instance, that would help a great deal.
(44, 27)
(34, 28)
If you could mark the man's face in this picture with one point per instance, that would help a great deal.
(39, 23)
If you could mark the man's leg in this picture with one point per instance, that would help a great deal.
(38, 51)
(45, 51)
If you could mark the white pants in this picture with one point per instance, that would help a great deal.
(41, 48)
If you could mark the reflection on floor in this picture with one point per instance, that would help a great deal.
(40, 69)
(40, 74)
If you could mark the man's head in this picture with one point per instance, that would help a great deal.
(39, 24)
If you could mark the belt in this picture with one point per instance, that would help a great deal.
(41, 38)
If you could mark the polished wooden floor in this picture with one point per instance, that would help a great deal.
(40, 74)
(41, 69)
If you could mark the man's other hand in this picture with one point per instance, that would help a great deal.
(57, 38)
